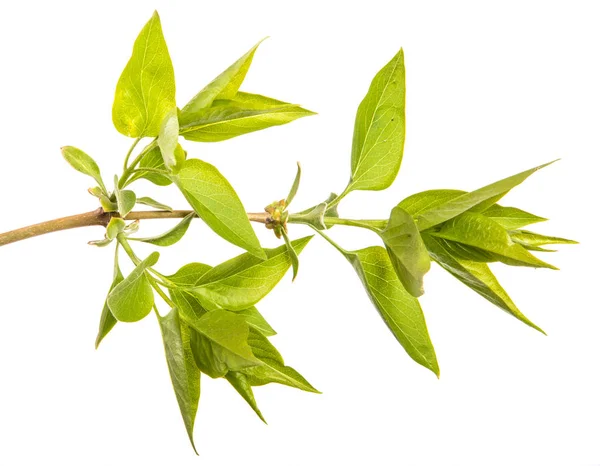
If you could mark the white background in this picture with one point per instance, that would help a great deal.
(493, 89)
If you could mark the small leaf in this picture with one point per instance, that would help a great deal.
(146, 89)
(241, 282)
(294, 188)
(240, 382)
(167, 138)
(133, 298)
(511, 218)
(440, 213)
(125, 199)
(481, 232)
(257, 321)
(407, 251)
(154, 160)
(83, 163)
(185, 376)
(529, 238)
(379, 130)
(292, 253)
(114, 227)
(107, 320)
(100, 243)
(224, 86)
(228, 121)
(216, 202)
(400, 311)
(170, 237)
(152, 203)
(315, 216)
(475, 275)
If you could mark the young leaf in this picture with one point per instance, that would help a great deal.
(215, 202)
(241, 282)
(406, 249)
(146, 89)
(440, 213)
(250, 101)
(314, 216)
(378, 142)
(133, 298)
(240, 382)
(476, 275)
(190, 274)
(418, 203)
(511, 218)
(153, 160)
(170, 237)
(107, 320)
(481, 232)
(225, 122)
(257, 321)
(529, 238)
(152, 203)
(167, 138)
(185, 376)
(125, 199)
(292, 253)
(399, 309)
(114, 227)
(83, 163)
(294, 188)
(224, 86)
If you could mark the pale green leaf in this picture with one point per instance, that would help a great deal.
(83, 163)
(152, 203)
(133, 298)
(167, 138)
(294, 188)
(170, 237)
(424, 201)
(257, 321)
(115, 226)
(107, 320)
(216, 202)
(511, 218)
(476, 275)
(292, 253)
(185, 376)
(146, 89)
(239, 381)
(406, 249)
(379, 130)
(529, 238)
(153, 160)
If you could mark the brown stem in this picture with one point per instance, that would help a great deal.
(97, 217)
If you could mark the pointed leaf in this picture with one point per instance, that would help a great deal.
(529, 238)
(241, 282)
(115, 226)
(292, 253)
(152, 203)
(475, 275)
(170, 237)
(185, 376)
(168, 136)
(511, 218)
(133, 298)
(424, 201)
(216, 202)
(146, 89)
(379, 130)
(257, 321)
(83, 163)
(154, 160)
(240, 382)
(107, 320)
(294, 188)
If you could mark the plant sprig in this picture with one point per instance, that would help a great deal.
(211, 325)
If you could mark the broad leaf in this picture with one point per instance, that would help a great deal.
(241, 282)
(190, 274)
(215, 202)
(240, 382)
(379, 130)
(133, 298)
(399, 309)
(228, 121)
(146, 89)
(83, 163)
(439, 213)
(170, 237)
(481, 232)
(406, 249)
(224, 86)
(476, 275)
(167, 138)
(152, 203)
(511, 218)
(185, 376)
(107, 320)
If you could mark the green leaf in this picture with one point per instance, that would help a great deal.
(167, 138)
(115, 226)
(190, 274)
(146, 89)
(257, 321)
(406, 249)
(511, 218)
(481, 232)
(83, 163)
(475, 275)
(292, 253)
(225, 122)
(294, 188)
(424, 201)
(440, 213)
(240, 382)
(531, 239)
(153, 160)
(170, 237)
(241, 282)
(250, 101)
(152, 203)
(133, 298)
(185, 376)
(107, 320)
(272, 369)
(224, 86)
(400, 311)
(379, 130)
(125, 199)
(216, 202)
(314, 216)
